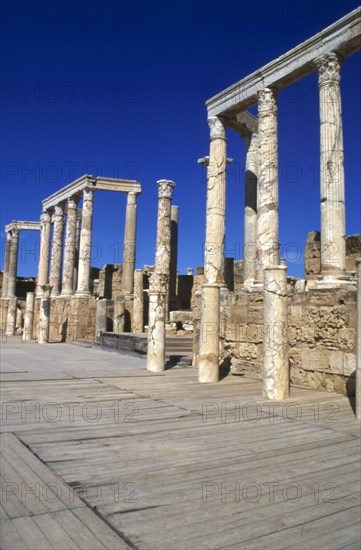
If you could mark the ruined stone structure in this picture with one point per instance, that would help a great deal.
(248, 315)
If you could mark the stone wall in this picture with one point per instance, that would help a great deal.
(72, 318)
(321, 336)
(313, 254)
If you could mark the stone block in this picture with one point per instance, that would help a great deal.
(346, 339)
(314, 360)
(349, 363)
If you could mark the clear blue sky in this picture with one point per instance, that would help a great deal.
(118, 89)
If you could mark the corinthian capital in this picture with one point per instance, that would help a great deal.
(217, 127)
(165, 189)
(328, 67)
(267, 100)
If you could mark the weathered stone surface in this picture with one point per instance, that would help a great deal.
(29, 317)
(129, 248)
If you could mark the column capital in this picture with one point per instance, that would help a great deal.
(328, 67)
(165, 189)
(46, 290)
(132, 197)
(45, 217)
(158, 283)
(217, 126)
(14, 231)
(59, 210)
(88, 193)
(267, 100)
(73, 202)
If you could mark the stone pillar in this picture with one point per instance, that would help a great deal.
(250, 210)
(101, 317)
(196, 327)
(358, 342)
(267, 193)
(138, 305)
(43, 271)
(19, 321)
(333, 243)
(216, 203)
(119, 315)
(85, 244)
(6, 264)
(129, 249)
(159, 281)
(76, 253)
(275, 341)
(158, 285)
(29, 317)
(11, 316)
(173, 255)
(44, 315)
(208, 363)
(57, 249)
(70, 245)
(13, 262)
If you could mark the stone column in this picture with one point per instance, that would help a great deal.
(29, 317)
(57, 249)
(158, 285)
(275, 341)
(216, 203)
(19, 321)
(101, 317)
(138, 305)
(43, 271)
(208, 362)
(11, 316)
(119, 315)
(76, 253)
(6, 264)
(358, 342)
(250, 210)
(333, 243)
(70, 245)
(129, 249)
(13, 262)
(159, 281)
(267, 193)
(44, 314)
(85, 244)
(173, 255)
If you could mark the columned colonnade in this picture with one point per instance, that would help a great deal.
(323, 53)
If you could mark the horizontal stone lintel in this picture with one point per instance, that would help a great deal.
(342, 37)
(29, 226)
(98, 184)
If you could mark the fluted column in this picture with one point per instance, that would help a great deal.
(138, 304)
(69, 249)
(85, 243)
(275, 341)
(159, 281)
(57, 249)
(333, 243)
(13, 262)
(216, 203)
(6, 265)
(267, 195)
(129, 249)
(44, 258)
(250, 210)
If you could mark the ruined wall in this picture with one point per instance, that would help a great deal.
(313, 254)
(321, 336)
(72, 319)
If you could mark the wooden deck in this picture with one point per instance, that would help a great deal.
(99, 453)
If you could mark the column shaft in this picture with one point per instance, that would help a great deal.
(29, 317)
(267, 193)
(208, 363)
(6, 264)
(119, 315)
(275, 341)
(173, 254)
(76, 253)
(44, 256)
(138, 304)
(85, 243)
(44, 315)
(11, 316)
(13, 262)
(57, 249)
(333, 243)
(358, 342)
(250, 210)
(129, 249)
(69, 249)
(216, 203)
(159, 281)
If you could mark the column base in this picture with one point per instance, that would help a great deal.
(251, 285)
(82, 294)
(329, 281)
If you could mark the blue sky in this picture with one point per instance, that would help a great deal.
(119, 88)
